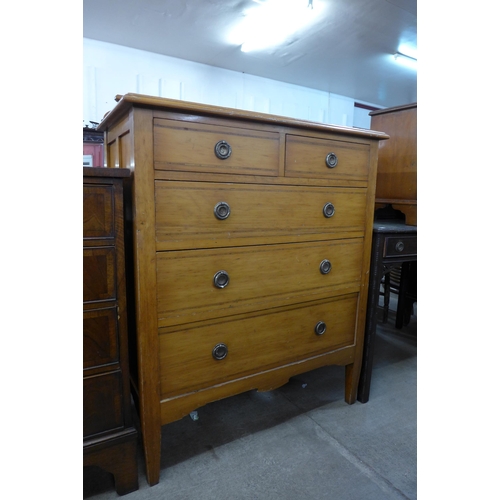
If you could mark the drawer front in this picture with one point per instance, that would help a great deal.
(102, 403)
(99, 274)
(201, 214)
(260, 277)
(98, 211)
(307, 157)
(194, 147)
(400, 246)
(253, 344)
(100, 337)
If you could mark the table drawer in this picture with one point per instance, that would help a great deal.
(199, 147)
(187, 213)
(252, 278)
(99, 273)
(100, 337)
(189, 359)
(98, 211)
(327, 159)
(400, 246)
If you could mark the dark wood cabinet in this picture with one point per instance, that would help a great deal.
(109, 435)
(397, 160)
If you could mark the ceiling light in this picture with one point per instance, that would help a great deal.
(271, 23)
(405, 60)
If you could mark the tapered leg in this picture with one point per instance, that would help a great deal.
(151, 437)
(351, 385)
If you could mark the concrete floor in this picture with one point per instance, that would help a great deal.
(299, 442)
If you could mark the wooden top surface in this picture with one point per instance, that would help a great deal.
(105, 172)
(128, 101)
(393, 227)
(394, 109)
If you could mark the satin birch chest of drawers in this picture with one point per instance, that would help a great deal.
(251, 242)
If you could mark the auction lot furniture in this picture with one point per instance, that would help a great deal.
(251, 238)
(397, 161)
(109, 436)
(394, 243)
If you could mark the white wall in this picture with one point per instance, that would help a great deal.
(110, 69)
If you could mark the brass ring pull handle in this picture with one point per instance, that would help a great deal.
(222, 210)
(325, 266)
(221, 279)
(223, 150)
(331, 160)
(219, 351)
(400, 246)
(320, 328)
(328, 210)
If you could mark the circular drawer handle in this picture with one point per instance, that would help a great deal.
(328, 210)
(223, 150)
(325, 266)
(219, 351)
(400, 246)
(222, 210)
(331, 160)
(221, 279)
(320, 328)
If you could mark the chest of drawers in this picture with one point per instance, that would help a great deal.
(109, 436)
(251, 239)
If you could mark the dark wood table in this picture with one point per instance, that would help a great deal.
(394, 243)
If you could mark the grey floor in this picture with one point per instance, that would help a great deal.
(299, 442)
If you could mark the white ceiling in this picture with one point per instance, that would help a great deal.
(347, 51)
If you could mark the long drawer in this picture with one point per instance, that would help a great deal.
(206, 214)
(332, 160)
(199, 147)
(196, 358)
(196, 285)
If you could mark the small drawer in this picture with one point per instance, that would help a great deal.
(100, 337)
(98, 211)
(204, 215)
(400, 246)
(197, 358)
(327, 159)
(199, 147)
(196, 285)
(102, 403)
(99, 274)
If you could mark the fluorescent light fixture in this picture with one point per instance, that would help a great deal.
(272, 22)
(406, 60)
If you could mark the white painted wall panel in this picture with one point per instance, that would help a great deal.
(110, 69)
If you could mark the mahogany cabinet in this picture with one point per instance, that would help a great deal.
(109, 435)
(251, 238)
(397, 160)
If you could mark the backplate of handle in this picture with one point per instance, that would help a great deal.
(222, 210)
(331, 160)
(223, 150)
(328, 210)
(221, 279)
(219, 351)
(325, 266)
(320, 328)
